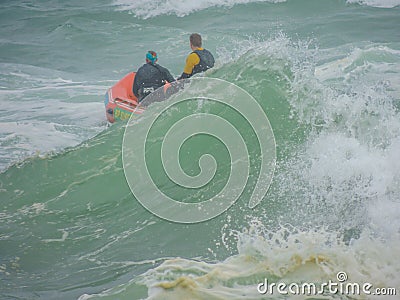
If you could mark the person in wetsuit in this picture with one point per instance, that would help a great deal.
(150, 77)
(199, 60)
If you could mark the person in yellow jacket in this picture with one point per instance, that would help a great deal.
(199, 60)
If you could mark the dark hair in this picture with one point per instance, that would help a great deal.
(195, 40)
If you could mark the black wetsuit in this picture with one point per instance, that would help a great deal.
(148, 78)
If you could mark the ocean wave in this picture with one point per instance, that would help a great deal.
(337, 184)
(338, 190)
(288, 255)
(41, 112)
(377, 3)
(146, 9)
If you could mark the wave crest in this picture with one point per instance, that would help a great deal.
(145, 9)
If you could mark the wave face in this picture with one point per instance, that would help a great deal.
(325, 73)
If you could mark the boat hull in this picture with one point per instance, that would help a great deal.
(120, 102)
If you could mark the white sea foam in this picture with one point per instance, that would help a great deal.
(148, 9)
(40, 113)
(377, 3)
(287, 255)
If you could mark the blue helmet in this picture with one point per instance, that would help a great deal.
(151, 56)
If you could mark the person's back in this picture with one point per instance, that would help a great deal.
(199, 60)
(150, 77)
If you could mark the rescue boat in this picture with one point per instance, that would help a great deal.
(120, 102)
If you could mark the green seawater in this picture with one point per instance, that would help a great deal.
(326, 74)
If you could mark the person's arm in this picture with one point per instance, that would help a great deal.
(192, 60)
(168, 76)
(183, 76)
(165, 73)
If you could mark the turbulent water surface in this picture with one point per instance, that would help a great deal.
(327, 75)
